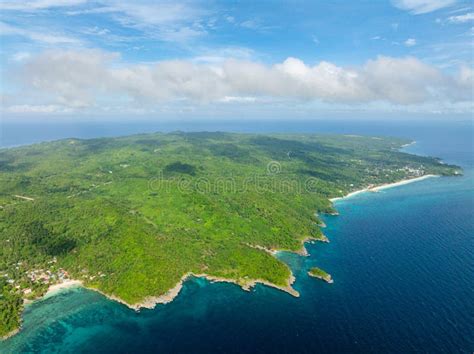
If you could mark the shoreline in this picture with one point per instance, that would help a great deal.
(150, 302)
(383, 186)
(302, 251)
(58, 287)
(408, 144)
(52, 290)
(311, 239)
(10, 334)
(55, 289)
(327, 278)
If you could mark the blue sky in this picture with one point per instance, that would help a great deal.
(306, 59)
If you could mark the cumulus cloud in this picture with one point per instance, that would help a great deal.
(466, 77)
(72, 77)
(83, 78)
(418, 7)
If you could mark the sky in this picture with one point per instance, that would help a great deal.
(129, 60)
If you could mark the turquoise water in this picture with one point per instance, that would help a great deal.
(402, 261)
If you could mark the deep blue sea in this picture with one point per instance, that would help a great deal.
(402, 261)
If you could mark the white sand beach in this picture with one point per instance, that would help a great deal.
(54, 289)
(384, 186)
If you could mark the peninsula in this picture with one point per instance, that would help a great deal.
(133, 217)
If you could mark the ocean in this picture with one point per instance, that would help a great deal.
(401, 259)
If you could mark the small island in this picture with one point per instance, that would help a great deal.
(133, 217)
(320, 274)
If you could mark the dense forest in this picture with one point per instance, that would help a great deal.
(130, 216)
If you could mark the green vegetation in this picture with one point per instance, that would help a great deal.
(130, 216)
(180, 167)
(320, 274)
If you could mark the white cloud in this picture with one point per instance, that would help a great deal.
(402, 80)
(219, 55)
(164, 19)
(83, 78)
(256, 25)
(466, 77)
(37, 35)
(179, 34)
(26, 108)
(20, 56)
(154, 13)
(418, 7)
(68, 75)
(96, 31)
(410, 42)
(38, 4)
(231, 99)
(462, 18)
(251, 24)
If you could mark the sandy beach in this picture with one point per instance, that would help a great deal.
(401, 183)
(408, 144)
(54, 289)
(351, 194)
(384, 186)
